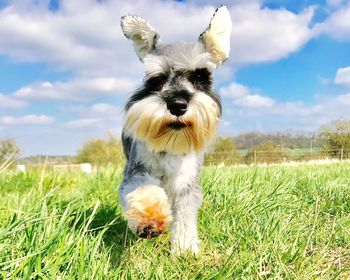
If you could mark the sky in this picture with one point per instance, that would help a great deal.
(66, 70)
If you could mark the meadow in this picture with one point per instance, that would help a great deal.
(275, 222)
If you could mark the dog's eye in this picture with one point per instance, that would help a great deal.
(201, 79)
(156, 83)
(200, 76)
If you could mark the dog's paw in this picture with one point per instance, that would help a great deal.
(191, 247)
(148, 212)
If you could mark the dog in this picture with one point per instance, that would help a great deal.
(169, 122)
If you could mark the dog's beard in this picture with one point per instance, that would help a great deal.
(149, 120)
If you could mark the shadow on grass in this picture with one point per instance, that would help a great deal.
(116, 237)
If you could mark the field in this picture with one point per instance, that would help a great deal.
(272, 222)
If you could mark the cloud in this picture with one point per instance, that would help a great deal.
(84, 36)
(234, 91)
(255, 100)
(337, 25)
(77, 89)
(244, 97)
(248, 109)
(99, 115)
(11, 103)
(335, 3)
(262, 34)
(94, 110)
(26, 120)
(344, 99)
(82, 123)
(103, 108)
(343, 76)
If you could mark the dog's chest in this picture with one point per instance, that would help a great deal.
(175, 172)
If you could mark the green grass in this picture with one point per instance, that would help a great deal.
(255, 223)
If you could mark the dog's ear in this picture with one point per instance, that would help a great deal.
(216, 38)
(141, 33)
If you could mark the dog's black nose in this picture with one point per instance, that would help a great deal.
(177, 106)
(148, 232)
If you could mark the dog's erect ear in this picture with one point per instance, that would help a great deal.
(141, 32)
(216, 38)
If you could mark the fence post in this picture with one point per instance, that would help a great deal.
(255, 157)
(341, 153)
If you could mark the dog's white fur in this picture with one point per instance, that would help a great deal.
(217, 36)
(141, 32)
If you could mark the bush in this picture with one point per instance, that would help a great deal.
(101, 151)
(266, 152)
(223, 151)
(337, 134)
(8, 150)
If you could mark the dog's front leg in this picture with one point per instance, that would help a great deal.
(145, 205)
(184, 227)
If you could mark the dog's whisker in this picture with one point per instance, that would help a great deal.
(186, 137)
(175, 138)
(168, 141)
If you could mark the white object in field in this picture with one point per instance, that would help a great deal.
(86, 167)
(21, 168)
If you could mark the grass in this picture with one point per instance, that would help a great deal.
(255, 223)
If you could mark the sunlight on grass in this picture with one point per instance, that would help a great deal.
(255, 222)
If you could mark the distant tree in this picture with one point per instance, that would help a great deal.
(48, 159)
(8, 149)
(101, 151)
(337, 136)
(266, 152)
(284, 139)
(223, 151)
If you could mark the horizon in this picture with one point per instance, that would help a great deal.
(233, 137)
(64, 82)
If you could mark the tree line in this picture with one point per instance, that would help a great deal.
(284, 139)
(332, 140)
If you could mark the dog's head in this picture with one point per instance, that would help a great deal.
(176, 109)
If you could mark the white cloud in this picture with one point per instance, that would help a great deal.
(254, 101)
(262, 34)
(335, 3)
(99, 115)
(103, 108)
(344, 99)
(82, 123)
(343, 76)
(97, 110)
(234, 91)
(78, 89)
(26, 120)
(245, 97)
(85, 37)
(10, 102)
(246, 110)
(337, 24)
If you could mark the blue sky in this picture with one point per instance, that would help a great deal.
(66, 70)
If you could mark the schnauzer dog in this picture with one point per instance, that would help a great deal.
(169, 122)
